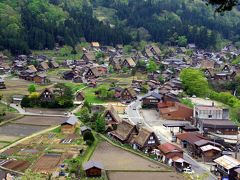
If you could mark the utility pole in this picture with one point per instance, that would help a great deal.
(237, 146)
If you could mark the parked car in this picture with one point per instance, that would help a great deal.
(188, 171)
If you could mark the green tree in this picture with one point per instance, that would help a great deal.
(88, 137)
(127, 49)
(84, 115)
(133, 72)
(152, 66)
(87, 105)
(182, 41)
(100, 124)
(110, 69)
(63, 95)
(194, 82)
(31, 88)
(235, 114)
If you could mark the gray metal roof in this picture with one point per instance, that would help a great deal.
(72, 120)
(154, 94)
(90, 164)
(84, 128)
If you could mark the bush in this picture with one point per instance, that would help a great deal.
(88, 136)
(26, 102)
(89, 142)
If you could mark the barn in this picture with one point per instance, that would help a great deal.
(69, 126)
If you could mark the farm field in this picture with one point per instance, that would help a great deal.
(144, 175)
(47, 163)
(114, 158)
(46, 152)
(16, 86)
(41, 121)
(19, 130)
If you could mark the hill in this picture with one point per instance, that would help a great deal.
(39, 24)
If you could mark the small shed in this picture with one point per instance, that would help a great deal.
(93, 169)
(84, 129)
(69, 126)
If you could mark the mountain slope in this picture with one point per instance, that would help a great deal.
(39, 24)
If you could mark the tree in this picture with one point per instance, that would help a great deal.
(87, 105)
(194, 82)
(223, 5)
(127, 49)
(84, 115)
(235, 114)
(110, 69)
(100, 124)
(31, 88)
(63, 95)
(152, 66)
(133, 72)
(182, 41)
(26, 102)
(88, 137)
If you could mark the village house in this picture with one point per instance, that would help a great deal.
(128, 63)
(17, 99)
(43, 66)
(148, 53)
(175, 111)
(95, 44)
(213, 119)
(226, 166)
(172, 155)
(115, 62)
(53, 64)
(32, 69)
(128, 94)
(155, 50)
(168, 151)
(40, 79)
(187, 141)
(93, 169)
(111, 116)
(46, 95)
(210, 152)
(124, 132)
(69, 126)
(79, 96)
(84, 129)
(2, 84)
(89, 57)
(146, 140)
(68, 75)
(92, 73)
(151, 100)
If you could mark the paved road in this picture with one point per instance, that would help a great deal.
(150, 121)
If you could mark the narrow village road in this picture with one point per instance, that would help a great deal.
(150, 121)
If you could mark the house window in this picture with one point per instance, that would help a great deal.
(153, 101)
(209, 116)
(151, 142)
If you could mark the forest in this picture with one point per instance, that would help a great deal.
(39, 24)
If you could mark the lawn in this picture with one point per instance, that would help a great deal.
(126, 78)
(6, 108)
(61, 55)
(90, 94)
(16, 86)
(75, 86)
